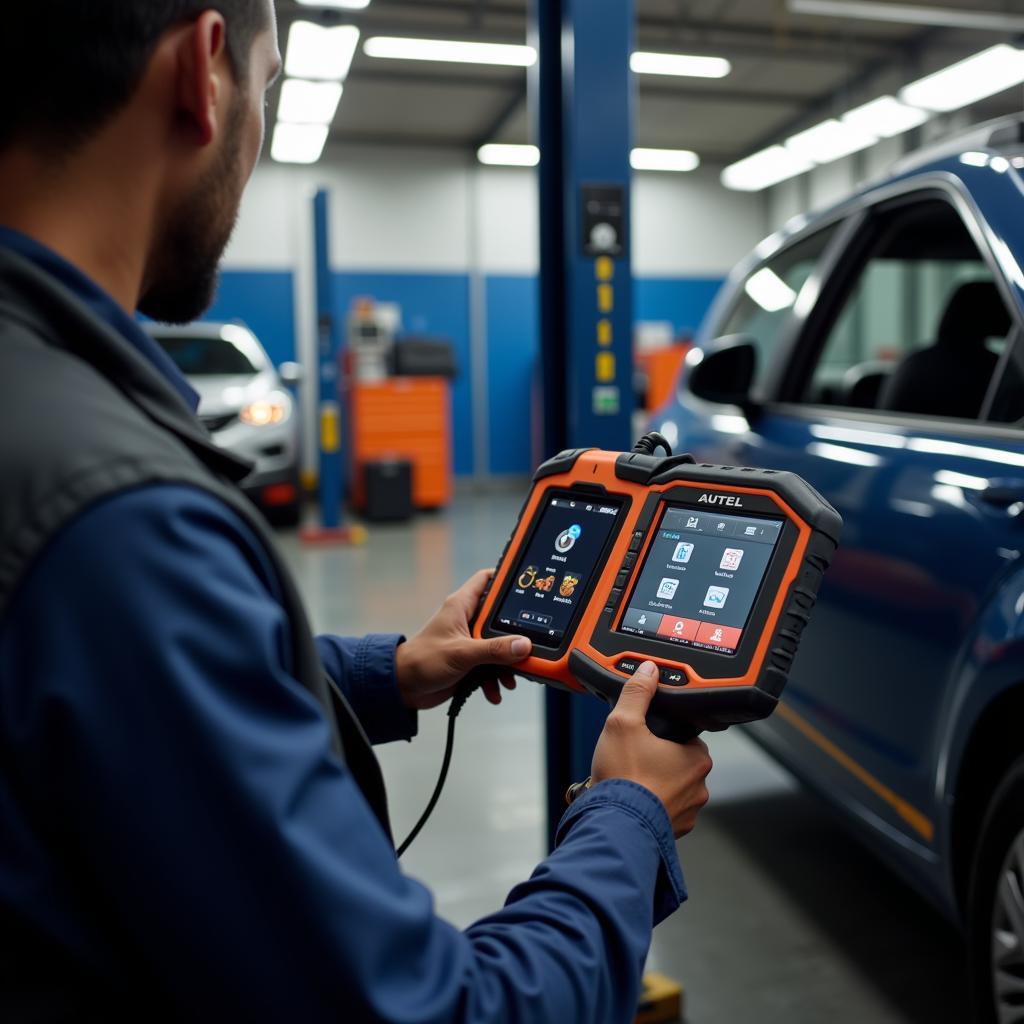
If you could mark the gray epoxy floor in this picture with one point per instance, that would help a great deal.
(789, 921)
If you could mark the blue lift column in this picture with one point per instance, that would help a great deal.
(582, 96)
(331, 422)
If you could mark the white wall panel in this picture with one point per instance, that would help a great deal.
(689, 225)
(398, 210)
(508, 220)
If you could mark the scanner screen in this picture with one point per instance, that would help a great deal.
(700, 579)
(561, 559)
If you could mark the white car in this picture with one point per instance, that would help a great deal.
(245, 404)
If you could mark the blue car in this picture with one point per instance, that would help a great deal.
(877, 350)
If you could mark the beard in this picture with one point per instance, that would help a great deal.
(183, 282)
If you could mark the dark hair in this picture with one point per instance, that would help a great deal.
(66, 66)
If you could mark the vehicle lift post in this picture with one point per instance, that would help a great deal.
(331, 422)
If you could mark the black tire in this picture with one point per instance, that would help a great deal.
(995, 906)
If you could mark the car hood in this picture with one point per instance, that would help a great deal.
(218, 395)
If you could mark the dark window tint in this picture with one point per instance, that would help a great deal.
(922, 326)
(209, 356)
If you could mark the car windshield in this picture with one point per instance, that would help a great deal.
(213, 356)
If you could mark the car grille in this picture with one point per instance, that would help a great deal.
(216, 423)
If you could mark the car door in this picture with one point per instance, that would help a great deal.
(893, 402)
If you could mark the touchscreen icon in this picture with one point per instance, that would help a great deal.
(545, 583)
(568, 585)
(716, 597)
(682, 552)
(732, 558)
(668, 587)
(750, 531)
(692, 523)
(527, 577)
(567, 538)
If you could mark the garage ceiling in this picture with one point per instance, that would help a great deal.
(789, 71)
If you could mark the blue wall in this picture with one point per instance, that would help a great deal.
(438, 305)
(265, 300)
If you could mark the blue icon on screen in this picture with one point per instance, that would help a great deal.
(574, 532)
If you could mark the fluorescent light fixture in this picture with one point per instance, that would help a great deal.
(884, 117)
(829, 141)
(664, 160)
(321, 53)
(337, 5)
(769, 291)
(993, 70)
(305, 102)
(450, 51)
(498, 155)
(680, 64)
(764, 169)
(298, 143)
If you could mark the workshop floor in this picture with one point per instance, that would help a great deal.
(789, 921)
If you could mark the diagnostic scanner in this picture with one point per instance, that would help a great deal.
(709, 571)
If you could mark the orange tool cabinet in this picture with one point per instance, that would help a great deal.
(406, 418)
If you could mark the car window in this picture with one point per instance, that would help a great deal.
(922, 327)
(212, 356)
(768, 294)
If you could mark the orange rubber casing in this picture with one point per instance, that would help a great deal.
(648, 482)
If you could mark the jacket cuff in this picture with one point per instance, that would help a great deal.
(364, 670)
(649, 814)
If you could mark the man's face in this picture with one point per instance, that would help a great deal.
(198, 228)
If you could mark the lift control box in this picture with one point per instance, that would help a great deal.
(709, 571)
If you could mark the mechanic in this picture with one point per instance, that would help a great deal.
(191, 826)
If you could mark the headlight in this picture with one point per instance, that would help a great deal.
(275, 408)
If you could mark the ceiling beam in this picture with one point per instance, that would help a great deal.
(505, 114)
(910, 14)
(400, 74)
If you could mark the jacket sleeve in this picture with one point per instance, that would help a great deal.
(189, 779)
(364, 670)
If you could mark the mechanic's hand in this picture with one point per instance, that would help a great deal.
(430, 666)
(627, 749)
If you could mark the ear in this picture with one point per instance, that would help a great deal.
(203, 75)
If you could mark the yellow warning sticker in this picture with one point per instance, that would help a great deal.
(605, 298)
(604, 332)
(605, 367)
(604, 268)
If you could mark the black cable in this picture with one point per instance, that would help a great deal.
(464, 692)
(649, 443)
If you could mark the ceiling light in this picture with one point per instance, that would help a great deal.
(829, 141)
(309, 102)
(885, 117)
(769, 291)
(321, 53)
(993, 70)
(298, 143)
(337, 5)
(450, 51)
(764, 169)
(664, 160)
(508, 156)
(681, 64)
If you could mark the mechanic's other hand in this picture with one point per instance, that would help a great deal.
(674, 772)
(430, 666)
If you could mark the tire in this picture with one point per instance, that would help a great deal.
(995, 907)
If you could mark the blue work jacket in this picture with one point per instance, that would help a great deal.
(210, 837)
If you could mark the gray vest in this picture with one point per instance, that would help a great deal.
(84, 416)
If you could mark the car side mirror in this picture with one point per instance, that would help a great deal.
(723, 372)
(290, 374)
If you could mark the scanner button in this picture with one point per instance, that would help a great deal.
(638, 539)
(673, 677)
(628, 562)
(622, 579)
(628, 665)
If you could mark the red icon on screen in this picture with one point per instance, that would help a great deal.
(681, 629)
(719, 636)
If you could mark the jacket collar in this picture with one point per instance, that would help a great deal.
(53, 312)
